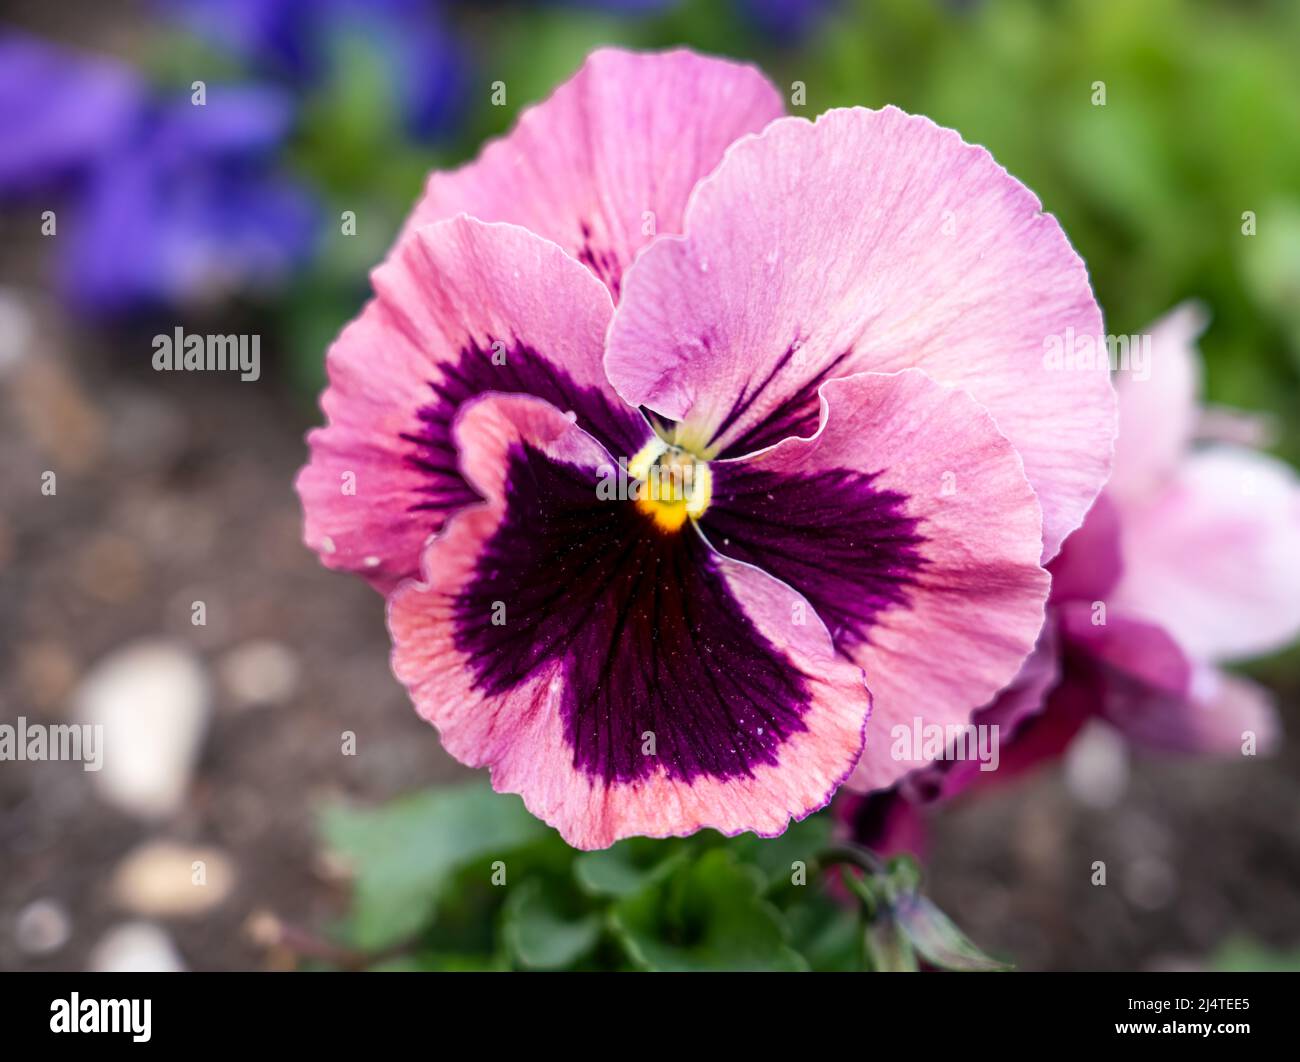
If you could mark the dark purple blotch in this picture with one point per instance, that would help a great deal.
(844, 543)
(647, 633)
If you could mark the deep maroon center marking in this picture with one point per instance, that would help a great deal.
(648, 636)
(603, 263)
(521, 370)
(798, 413)
(844, 543)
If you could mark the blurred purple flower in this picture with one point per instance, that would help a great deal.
(620, 7)
(1186, 562)
(170, 202)
(784, 21)
(185, 207)
(57, 114)
(293, 40)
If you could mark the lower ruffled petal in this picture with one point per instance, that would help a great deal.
(623, 679)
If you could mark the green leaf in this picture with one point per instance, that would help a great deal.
(540, 937)
(1270, 263)
(826, 932)
(627, 867)
(936, 939)
(1241, 955)
(709, 915)
(404, 852)
(776, 856)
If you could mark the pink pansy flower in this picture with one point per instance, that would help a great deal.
(675, 426)
(1189, 559)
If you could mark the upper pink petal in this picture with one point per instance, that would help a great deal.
(461, 307)
(1091, 559)
(1214, 556)
(870, 240)
(1158, 411)
(609, 160)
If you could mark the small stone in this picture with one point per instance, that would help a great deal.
(47, 672)
(42, 927)
(153, 700)
(330, 866)
(263, 928)
(17, 329)
(259, 673)
(136, 947)
(166, 880)
(1096, 766)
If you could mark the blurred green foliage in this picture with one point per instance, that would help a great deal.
(465, 879)
(1241, 955)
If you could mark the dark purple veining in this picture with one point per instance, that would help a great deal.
(601, 262)
(798, 413)
(523, 370)
(847, 545)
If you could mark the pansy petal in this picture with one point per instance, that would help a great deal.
(1144, 683)
(1214, 557)
(462, 308)
(1158, 411)
(60, 109)
(1024, 697)
(1230, 715)
(1140, 655)
(908, 524)
(1139, 678)
(1091, 559)
(609, 160)
(890, 821)
(885, 821)
(624, 680)
(877, 241)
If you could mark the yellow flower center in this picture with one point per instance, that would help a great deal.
(672, 484)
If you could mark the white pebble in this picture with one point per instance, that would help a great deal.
(153, 700)
(136, 947)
